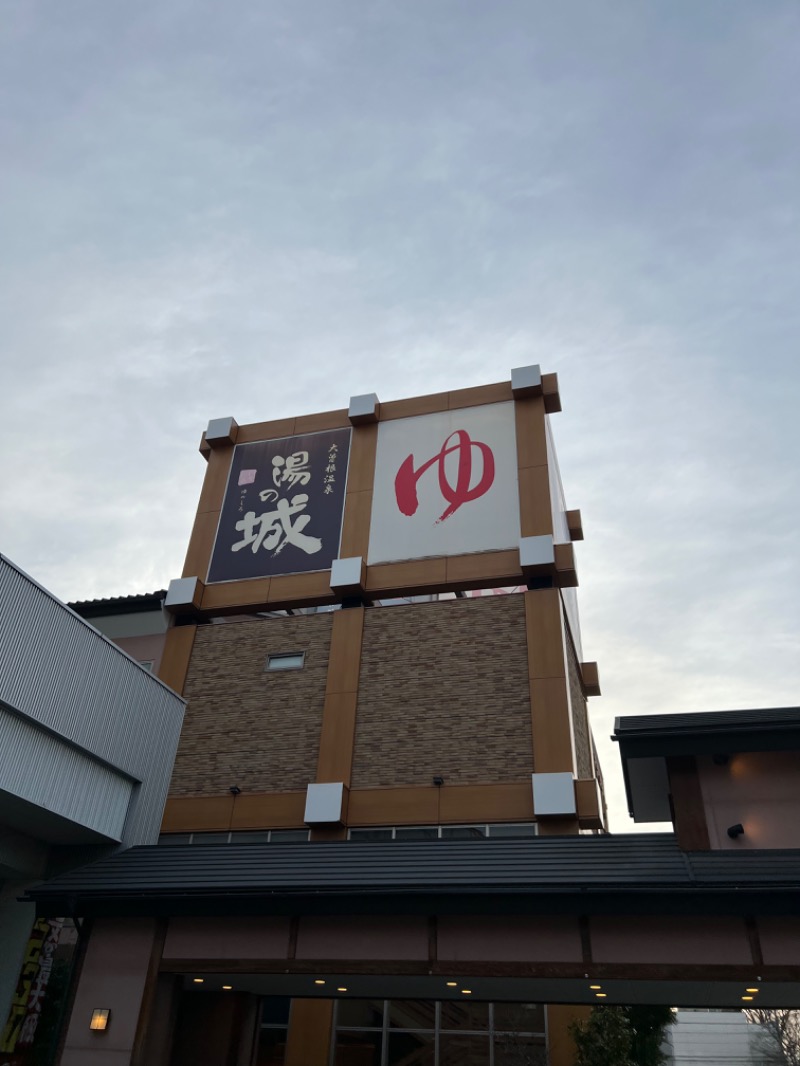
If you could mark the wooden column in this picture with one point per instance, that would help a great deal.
(174, 667)
(201, 542)
(535, 508)
(688, 810)
(551, 712)
(337, 735)
(309, 1036)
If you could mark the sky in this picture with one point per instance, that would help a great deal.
(262, 209)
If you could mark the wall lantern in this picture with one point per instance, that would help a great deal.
(101, 1016)
(735, 831)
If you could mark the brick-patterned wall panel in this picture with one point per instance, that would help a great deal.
(580, 717)
(444, 690)
(243, 725)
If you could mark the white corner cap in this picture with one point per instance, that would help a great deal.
(220, 429)
(526, 381)
(181, 592)
(346, 574)
(536, 551)
(553, 794)
(363, 408)
(324, 804)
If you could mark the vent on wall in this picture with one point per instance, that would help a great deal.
(293, 660)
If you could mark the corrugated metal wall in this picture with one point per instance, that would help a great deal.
(60, 778)
(58, 671)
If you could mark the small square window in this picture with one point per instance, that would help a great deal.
(292, 660)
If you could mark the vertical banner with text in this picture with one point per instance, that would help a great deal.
(283, 506)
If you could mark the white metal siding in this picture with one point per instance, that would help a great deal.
(60, 778)
(60, 672)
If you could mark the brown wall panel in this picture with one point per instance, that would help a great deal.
(288, 587)
(216, 478)
(393, 806)
(550, 717)
(530, 430)
(486, 803)
(201, 544)
(323, 420)
(416, 405)
(276, 810)
(355, 526)
(471, 570)
(236, 594)
(545, 633)
(279, 427)
(198, 814)
(178, 644)
(480, 394)
(535, 513)
(422, 573)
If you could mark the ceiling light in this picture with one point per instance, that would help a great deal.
(600, 995)
(198, 980)
(594, 988)
(751, 990)
(341, 989)
(452, 984)
(227, 988)
(466, 991)
(319, 981)
(748, 998)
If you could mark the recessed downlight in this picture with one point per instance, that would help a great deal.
(751, 990)
(197, 980)
(452, 984)
(319, 981)
(341, 989)
(748, 999)
(595, 988)
(227, 988)
(600, 995)
(466, 991)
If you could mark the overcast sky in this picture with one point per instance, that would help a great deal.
(259, 209)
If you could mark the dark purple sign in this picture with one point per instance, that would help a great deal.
(282, 512)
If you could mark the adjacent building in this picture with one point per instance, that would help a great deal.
(88, 740)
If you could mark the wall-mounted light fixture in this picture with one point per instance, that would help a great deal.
(101, 1016)
(235, 790)
(438, 780)
(735, 831)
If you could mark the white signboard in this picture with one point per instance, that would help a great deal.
(445, 484)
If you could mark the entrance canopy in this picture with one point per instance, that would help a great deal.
(553, 919)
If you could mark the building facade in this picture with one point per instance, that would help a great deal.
(384, 840)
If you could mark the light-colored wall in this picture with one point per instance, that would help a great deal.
(759, 789)
(113, 976)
